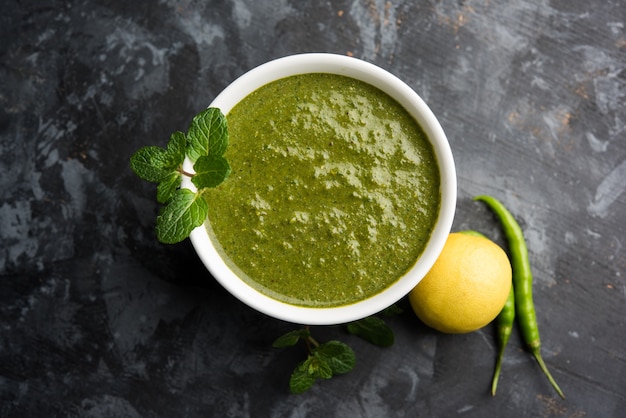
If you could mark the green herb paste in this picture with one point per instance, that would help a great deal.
(333, 195)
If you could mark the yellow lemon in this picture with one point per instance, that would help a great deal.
(466, 287)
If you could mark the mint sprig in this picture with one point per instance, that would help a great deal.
(204, 145)
(325, 360)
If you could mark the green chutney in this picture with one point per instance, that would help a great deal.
(333, 194)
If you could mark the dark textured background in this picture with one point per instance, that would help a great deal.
(99, 320)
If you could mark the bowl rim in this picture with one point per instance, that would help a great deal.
(412, 102)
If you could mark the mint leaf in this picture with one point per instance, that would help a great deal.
(148, 163)
(301, 380)
(168, 186)
(175, 148)
(318, 367)
(339, 357)
(210, 171)
(326, 360)
(154, 163)
(373, 330)
(162, 166)
(184, 212)
(392, 310)
(207, 135)
(291, 338)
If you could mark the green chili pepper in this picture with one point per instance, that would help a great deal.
(522, 282)
(504, 326)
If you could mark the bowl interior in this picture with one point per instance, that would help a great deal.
(402, 93)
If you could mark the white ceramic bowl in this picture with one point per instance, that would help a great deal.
(401, 92)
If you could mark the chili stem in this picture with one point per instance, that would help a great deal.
(543, 367)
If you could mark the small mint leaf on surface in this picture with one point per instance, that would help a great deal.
(291, 338)
(318, 366)
(184, 212)
(373, 330)
(339, 357)
(301, 380)
(207, 134)
(210, 171)
(392, 310)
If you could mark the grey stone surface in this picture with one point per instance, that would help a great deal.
(97, 319)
